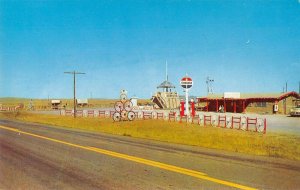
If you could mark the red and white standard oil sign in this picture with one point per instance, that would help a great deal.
(186, 82)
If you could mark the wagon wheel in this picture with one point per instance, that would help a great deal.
(260, 125)
(124, 114)
(127, 105)
(228, 122)
(244, 123)
(123, 97)
(118, 106)
(214, 120)
(117, 116)
(131, 116)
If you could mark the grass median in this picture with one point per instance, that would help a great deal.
(270, 144)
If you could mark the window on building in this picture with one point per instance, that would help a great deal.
(261, 104)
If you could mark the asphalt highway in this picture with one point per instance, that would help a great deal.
(34, 156)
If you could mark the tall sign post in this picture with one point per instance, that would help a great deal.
(186, 83)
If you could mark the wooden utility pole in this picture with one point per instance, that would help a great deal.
(285, 98)
(74, 73)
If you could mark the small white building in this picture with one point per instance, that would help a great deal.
(233, 95)
(55, 104)
(82, 102)
(134, 101)
(166, 99)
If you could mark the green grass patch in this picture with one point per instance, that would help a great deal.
(270, 144)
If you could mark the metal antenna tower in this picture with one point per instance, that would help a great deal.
(167, 78)
(209, 84)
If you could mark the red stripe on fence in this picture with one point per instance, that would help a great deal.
(196, 117)
(172, 115)
(101, 113)
(235, 120)
(160, 115)
(222, 119)
(207, 118)
(147, 115)
(91, 113)
(251, 121)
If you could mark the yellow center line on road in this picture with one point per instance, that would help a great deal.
(160, 165)
(9, 128)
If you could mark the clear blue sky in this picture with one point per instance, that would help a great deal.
(246, 46)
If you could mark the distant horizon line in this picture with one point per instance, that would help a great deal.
(13, 97)
(55, 98)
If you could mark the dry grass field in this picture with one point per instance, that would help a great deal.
(44, 104)
(270, 144)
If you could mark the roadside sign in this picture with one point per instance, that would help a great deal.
(186, 82)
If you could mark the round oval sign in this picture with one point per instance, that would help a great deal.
(186, 82)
